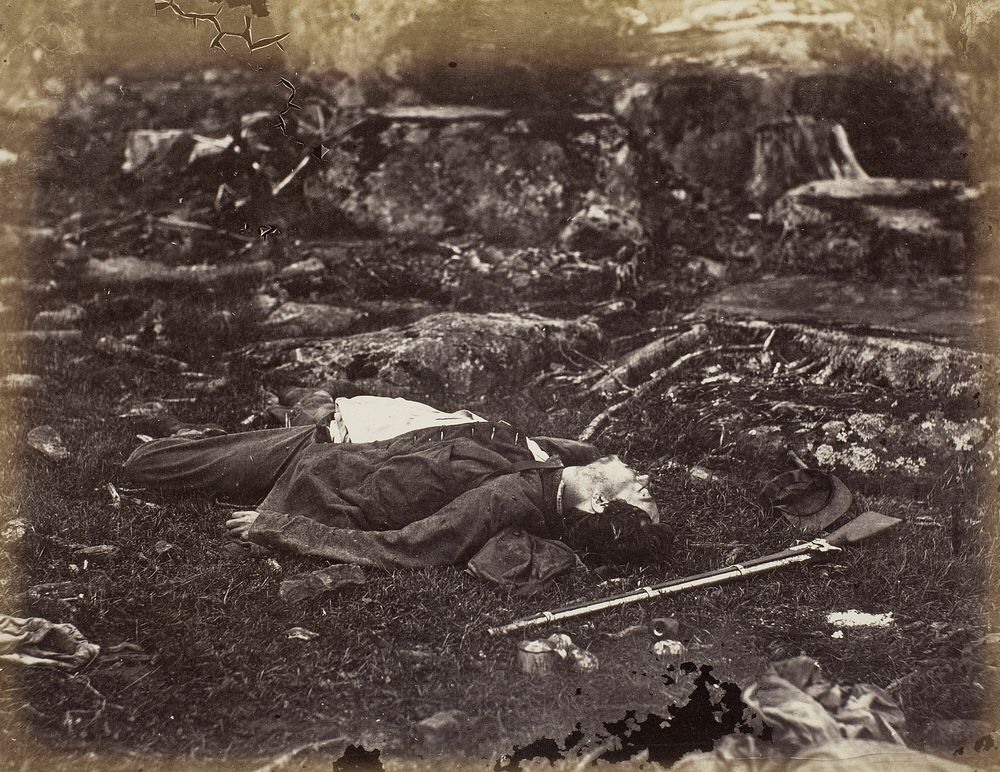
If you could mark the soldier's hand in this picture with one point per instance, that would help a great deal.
(238, 526)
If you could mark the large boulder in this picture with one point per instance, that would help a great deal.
(425, 171)
(449, 355)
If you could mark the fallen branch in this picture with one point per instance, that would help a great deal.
(176, 223)
(601, 419)
(111, 345)
(132, 271)
(600, 365)
(633, 367)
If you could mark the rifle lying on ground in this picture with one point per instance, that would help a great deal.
(864, 526)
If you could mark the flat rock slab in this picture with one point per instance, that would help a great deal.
(942, 311)
(47, 441)
(912, 225)
(427, 171)
(320, 582)
(459, 355)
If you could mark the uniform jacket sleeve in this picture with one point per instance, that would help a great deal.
(570, 452)
(449, 536)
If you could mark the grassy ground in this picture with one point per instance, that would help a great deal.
(208, 673)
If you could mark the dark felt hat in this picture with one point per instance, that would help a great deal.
(810, 499)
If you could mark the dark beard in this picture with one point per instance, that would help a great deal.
(621, 534)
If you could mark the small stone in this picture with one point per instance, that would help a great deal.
(600, 230)
(21, 383)
(703, 475)
(144, 410)
(264, 304)
(669, 648)
(442, 727)
(300, 634)
(584, 661)
(707, 266)
(320, 582)
(213, 386)
(47, 441)
(163, 547)
(310, 267)
(14, 530)
(69, 316)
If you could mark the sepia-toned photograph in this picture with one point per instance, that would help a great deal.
(483, 385)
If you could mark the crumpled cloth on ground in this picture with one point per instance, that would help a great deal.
(520, 559)
(803, 708)
(36, 641)
(816, 725)
(741, 753)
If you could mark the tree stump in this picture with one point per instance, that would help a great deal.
(795, 150)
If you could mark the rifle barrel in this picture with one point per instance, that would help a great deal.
(658, 590)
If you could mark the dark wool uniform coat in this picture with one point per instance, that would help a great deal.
(430, 497)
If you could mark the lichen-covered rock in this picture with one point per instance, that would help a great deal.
(453, 355)
(601, 230)
(426, 171)
(883, 413)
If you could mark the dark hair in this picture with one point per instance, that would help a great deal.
(622, 533)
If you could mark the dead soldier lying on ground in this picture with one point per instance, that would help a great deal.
(394, 483)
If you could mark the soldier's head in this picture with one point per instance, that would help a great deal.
(590, 488)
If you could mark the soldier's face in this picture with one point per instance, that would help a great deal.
(620, 481)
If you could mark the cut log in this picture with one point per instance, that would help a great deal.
(790, 152)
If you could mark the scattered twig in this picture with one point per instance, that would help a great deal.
(280, 186)
(108, 344)
(590, 757)
(282, 760)
(144, 676)
(602, 418)
(678, 363)
(600, 365)
(178, 224)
